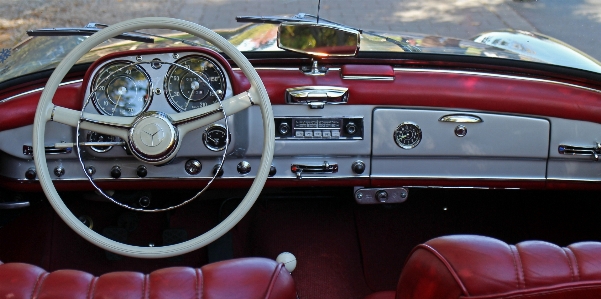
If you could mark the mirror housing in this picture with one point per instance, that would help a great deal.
(318, 39)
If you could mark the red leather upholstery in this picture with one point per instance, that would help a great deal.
(481, 267)
(240, 278)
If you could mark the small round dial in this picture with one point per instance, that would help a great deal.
(186, 85)
(407, 135)
(121, 88)
(97, 137)
(214, 138)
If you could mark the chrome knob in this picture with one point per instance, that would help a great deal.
(358, 167)
(59, 171)
(141, 171)
(30, 174)
(215, 170)
(351, 128)
(382, 196)
(193, 166)
(116, 172)
(284, 128)
(243, 167)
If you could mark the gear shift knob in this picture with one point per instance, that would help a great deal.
(288, 259)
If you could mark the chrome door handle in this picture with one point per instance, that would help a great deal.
(460, 118)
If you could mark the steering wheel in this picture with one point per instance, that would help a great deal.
(176, 126)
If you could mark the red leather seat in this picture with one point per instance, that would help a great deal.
(240, 278)
(481, 267)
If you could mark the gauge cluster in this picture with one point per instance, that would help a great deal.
(166, 82)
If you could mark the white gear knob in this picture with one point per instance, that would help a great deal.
(288, 259)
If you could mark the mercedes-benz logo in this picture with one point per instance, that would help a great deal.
(152, 135)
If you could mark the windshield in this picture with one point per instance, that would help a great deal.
(551, 31)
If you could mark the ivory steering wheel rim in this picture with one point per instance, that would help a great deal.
(44, 113)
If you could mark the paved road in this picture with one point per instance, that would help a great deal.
(577, 22)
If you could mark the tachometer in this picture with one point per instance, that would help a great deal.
(121, 88)
(184, 87)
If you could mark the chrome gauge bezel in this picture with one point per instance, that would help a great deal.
(211, 128)
(178, 64)
(413, 144)
(102, 68)
(100, 149)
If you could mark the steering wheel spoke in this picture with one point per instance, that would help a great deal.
(104, 124)
(198, 118)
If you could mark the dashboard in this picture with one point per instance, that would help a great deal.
(356, 125)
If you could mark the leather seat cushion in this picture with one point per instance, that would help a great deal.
(239, 278)
(482, 267)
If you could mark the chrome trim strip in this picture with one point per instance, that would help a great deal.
(245, 177)
(371, 78)
(495, 76)
(38, 89)
(283, 69)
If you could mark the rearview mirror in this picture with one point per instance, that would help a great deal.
(318, 39)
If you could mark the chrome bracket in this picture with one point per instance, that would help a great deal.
(370, 196)
(316, 97)
(593, 151)
(314, 70)
(50, 150)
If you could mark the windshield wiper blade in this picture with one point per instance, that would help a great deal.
(86, 31)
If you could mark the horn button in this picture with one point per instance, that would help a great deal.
(153, 138)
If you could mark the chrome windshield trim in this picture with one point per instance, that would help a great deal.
(38, 89)
(483, 74)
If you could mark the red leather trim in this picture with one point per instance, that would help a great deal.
(382, 295)
(249, 277)
(489, 268)
(20, 111)
(367, 70)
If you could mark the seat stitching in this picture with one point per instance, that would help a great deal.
(569, 263)
(145, 288)
(446, 263)
(197, 295)
(38, 284)
(274, 277)
(576, 268)
(92, 287)
(201, 280)
(515, 265)
(521, 265)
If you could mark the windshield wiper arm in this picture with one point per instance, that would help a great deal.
(86, 31)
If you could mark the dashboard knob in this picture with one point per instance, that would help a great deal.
(59, 171)
(243, 167)
(193, 166)
(30, 174)
(358, 167)
(382, 196)
(351, 128)
(215, 170)
(272, 171)
(141, 171)
(116, 172)
(284, 128)
(144, 201)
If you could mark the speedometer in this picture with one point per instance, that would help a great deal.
(121, 88)
(186, 86)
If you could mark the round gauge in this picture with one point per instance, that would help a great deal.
(214, 138)
(97, 137)
(186, 85)
(122, 89)
(407, 135)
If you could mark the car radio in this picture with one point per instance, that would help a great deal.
(322, 128)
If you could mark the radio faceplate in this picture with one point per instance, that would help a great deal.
(319, 128)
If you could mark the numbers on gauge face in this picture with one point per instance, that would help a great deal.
(185, 90)
(407, 135)
(121, 89)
